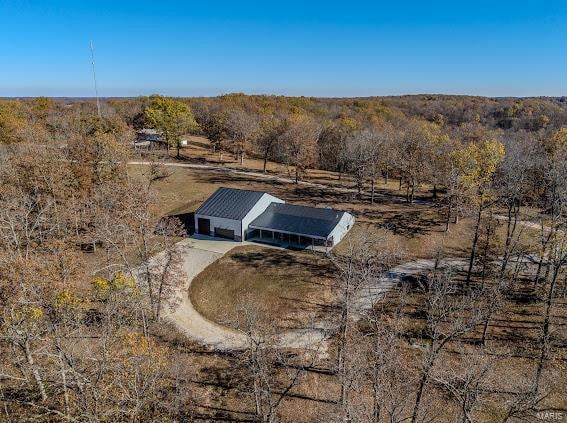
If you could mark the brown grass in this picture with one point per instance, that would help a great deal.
(292, 287)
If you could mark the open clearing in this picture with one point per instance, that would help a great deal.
(288, 288)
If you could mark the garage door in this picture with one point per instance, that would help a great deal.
(224, 233)
(204, 226)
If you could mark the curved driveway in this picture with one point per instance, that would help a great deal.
(200, 251)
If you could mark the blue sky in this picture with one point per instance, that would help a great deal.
(315, 48)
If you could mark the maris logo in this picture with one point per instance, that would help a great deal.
(555, 416)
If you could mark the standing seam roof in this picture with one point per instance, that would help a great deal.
(311, 221)
(230, 203)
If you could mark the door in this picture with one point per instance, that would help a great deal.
(224, 233)
(204, 226)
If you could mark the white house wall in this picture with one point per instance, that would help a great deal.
(345, 224)
(259, 208)
(220, 222)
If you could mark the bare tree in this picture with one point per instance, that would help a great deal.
(450, 314)
(272, 372)
(267, 141)
(299, 142)
(465, 381)
(242, 128)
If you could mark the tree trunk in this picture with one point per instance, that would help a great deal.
(485, 330)
(510, 230)
(35, 371)
(544, 244)
(420, 389)
(447, 220)
(376, 404)
(475, 243)
(486, 252)
(544, 343)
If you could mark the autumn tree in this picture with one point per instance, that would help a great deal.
(268, 139)
(333, 144)
(11, 122)
(359, 152)
(212, 120)
(515, 185)
(414, 152)
(172, 118)
(477, 165)
(299, 141)
(242, 128)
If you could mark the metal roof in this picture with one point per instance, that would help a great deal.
(299, 220)
(149, 131)
(230, 203)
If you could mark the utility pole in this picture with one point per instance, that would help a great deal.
(94, 78)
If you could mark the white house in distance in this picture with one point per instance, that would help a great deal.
(253, 215)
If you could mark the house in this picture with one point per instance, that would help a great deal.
(258, 216)
(228, 212)
(149, 139)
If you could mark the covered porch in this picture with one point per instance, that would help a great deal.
(288, 239)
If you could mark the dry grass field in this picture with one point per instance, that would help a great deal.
(290, 288)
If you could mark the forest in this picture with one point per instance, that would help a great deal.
(482, 182)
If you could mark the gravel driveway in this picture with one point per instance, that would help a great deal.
(199, 252)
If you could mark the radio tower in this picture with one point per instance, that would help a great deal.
(94, 79)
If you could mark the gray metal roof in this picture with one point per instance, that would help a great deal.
(300, 220)
(230, 203)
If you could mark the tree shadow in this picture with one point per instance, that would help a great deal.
(407, 223)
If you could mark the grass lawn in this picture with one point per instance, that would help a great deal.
(287, 288)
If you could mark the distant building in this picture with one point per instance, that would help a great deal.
(253, 215)
(149, 139)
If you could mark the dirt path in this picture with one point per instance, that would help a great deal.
(368, 295)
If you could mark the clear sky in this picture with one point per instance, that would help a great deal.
(314, 48)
